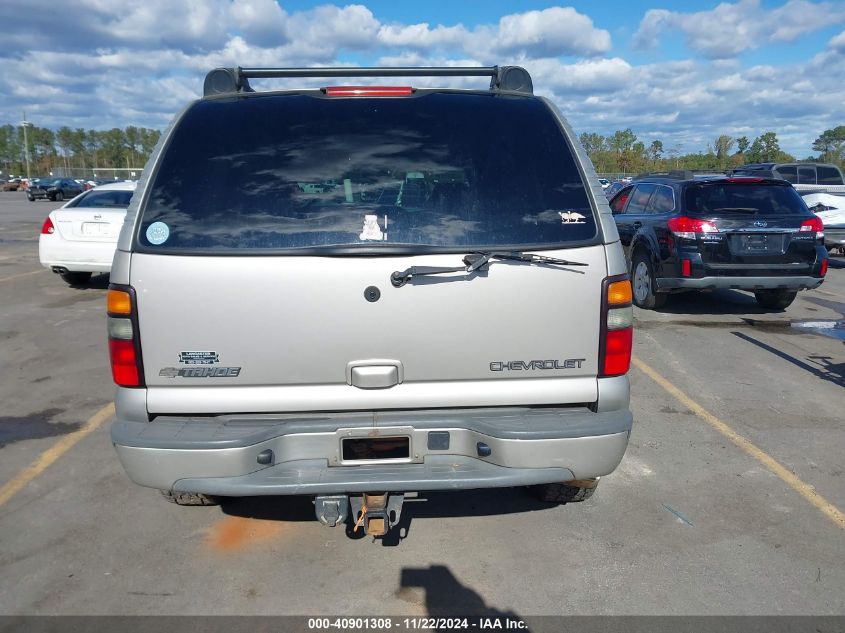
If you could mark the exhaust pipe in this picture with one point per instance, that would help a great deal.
(59, 270)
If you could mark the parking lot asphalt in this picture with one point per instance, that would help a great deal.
(692, 522)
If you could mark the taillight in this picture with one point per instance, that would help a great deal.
(124, 344)
(617, 327)
(688, 228)
(369, 91)
(47, 228)
(813, 224)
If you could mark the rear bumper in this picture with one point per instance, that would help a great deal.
(218, 455)
(54, 250)
(740, 283)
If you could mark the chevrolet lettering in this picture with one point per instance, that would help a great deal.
(521, 365)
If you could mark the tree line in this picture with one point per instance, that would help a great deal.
(622, 152)
(68, 150)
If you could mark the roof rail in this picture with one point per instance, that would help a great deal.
(222, 81)
(680, 174)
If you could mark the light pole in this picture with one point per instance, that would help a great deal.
(25, 124)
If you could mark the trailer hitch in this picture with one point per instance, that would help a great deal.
(376, 513)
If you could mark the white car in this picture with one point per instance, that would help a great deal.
(605, 183)
(831, 209)
(80, 238)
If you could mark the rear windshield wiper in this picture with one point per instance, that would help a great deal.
(475, 261)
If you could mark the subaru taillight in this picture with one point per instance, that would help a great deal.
(813, 224)
(687, 228)
(124, 344)
(617, 330)
(47, 228)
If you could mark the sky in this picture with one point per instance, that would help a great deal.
(682, 72)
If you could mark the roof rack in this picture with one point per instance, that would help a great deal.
(222, 81)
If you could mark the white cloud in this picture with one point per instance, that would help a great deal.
(551, 32)
(732, 28)
(138, 65)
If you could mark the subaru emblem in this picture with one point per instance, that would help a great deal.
(761, 223)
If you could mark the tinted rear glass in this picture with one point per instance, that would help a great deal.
(297, 171)
(105, 199)
(721, 198)
(829, 176)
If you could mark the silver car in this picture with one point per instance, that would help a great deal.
(355, 292)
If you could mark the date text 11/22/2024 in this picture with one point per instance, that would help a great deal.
(418, 623)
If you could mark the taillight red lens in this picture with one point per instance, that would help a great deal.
(124, 365)
(47, 228)
(369, 91)
(684, 225)
(617, 352)
(813, 224)
(823, 271)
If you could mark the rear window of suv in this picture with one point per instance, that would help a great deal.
(715, 198)
(440, 170)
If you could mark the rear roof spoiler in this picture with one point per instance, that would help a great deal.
(221, 81)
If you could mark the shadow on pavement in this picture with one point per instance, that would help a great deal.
(428, 505)
(821, 366)
(445, 596)
(720, 301)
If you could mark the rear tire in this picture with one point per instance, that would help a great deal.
(60, 196)
(76, 278)
(643, 283)
(775, 299)
(189, 498)
(565, 492)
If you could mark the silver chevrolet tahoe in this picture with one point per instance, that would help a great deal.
(359, 292)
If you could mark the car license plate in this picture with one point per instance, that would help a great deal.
(759, 244)
(91, 229)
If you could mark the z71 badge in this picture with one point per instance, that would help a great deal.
(200, 372)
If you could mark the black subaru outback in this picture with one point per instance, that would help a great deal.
(682, 232)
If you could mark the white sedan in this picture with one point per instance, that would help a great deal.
(80, 238)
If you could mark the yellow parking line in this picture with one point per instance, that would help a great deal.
(787, 476)
(48, 457)
(32, 272)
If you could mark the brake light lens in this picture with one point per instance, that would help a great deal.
(617, 352)
(813, 224)
(124, 365)
(124, 344)
(369, 91)
(617, 327)
(688, 228)
(47, 228)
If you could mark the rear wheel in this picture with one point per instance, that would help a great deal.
(565, 492)
(59, 196)
(76, 278)
(189, 498)
(775, 299)
(644, 286)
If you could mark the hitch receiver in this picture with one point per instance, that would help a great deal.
(376, 512)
